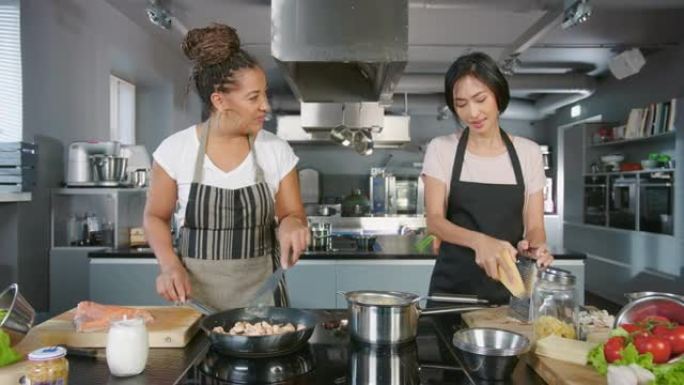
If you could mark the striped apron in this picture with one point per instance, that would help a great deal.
(228, 241)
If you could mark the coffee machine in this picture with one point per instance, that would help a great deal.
(79, 170)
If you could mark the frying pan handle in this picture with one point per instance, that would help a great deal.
(200, 307)
(445, 310)
(457, 298)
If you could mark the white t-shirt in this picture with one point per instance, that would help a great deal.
(439, 164)
(177, 155)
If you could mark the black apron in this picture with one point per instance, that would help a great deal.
(228, 240)
(493, 209)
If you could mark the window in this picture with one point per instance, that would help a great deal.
(10, 73)
(121, 110)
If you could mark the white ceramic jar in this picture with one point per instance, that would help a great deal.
(127, 347)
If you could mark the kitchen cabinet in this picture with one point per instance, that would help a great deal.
(412, 276)
(125, 281)
(314, 283)
(311, 284)
(69, 277)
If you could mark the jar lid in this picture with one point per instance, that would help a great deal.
(47, 353)
(552, 274)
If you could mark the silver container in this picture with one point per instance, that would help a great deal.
(390, 317)
(138, 178)
(669, 305)
(108, 168)
(640, 294)
(321, 237)
(490, 353)
(20, 314)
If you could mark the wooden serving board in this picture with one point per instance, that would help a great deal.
(173, 327)
(550, 370)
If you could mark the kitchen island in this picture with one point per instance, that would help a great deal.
(330, 358)
(393, 264)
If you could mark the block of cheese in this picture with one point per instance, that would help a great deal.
(564, 349)
(515, 286)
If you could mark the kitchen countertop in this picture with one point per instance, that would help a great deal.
(387, 247)
(341, 361)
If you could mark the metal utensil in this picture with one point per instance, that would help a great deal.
(490, 353)
(20, 314)
(520, 307)
(389, 318)
(269, 285)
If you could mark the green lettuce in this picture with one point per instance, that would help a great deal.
(670, 374)
(7, 354)
(630, 355)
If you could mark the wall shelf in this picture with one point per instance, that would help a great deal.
(647, 171)
(666, 135)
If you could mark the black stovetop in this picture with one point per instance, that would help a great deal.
(332, 358)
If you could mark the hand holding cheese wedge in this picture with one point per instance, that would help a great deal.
(509, 274)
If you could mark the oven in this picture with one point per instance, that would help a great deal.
(595, 200)
(622, 207)
(656, 203)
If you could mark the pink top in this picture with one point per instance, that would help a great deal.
(439, 164)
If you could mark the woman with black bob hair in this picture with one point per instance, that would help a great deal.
(483, 187)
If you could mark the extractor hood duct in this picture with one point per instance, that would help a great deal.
(340, 51)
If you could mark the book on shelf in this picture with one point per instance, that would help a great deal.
(655, 119)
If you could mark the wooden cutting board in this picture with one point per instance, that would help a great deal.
(173, 327)
(550, 370)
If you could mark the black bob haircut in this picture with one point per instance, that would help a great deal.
(482, 67)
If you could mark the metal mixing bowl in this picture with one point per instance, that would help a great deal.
(668, 306)
(108, 168)
(20, 314)
(490, 353)
(641, 294)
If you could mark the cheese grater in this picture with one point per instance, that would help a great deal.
(520, 307)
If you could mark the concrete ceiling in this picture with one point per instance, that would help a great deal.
(440, 30)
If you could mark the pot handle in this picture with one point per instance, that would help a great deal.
(444, 310)
(457, 298)
(341, 292)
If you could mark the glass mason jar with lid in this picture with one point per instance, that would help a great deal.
(47, 366)
(554, 304)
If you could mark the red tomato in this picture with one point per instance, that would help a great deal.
(612, 349)
(653, 320)
(675, 336)
(631, 328)
(640, 333)
(657, 346)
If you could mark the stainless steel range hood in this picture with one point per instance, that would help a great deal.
(342, 50)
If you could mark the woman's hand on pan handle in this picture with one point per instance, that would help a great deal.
(539, 252)
(173, 282)
(293, 236)
(489, 252)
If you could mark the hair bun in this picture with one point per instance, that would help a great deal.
(211, 45)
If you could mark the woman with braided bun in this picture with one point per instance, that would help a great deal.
(231, 186)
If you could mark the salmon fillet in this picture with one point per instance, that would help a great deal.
(92, 316)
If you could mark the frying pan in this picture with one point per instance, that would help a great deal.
(255, 346)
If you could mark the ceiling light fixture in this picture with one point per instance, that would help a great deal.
(443, 112)
(158, 16)
(575, 12)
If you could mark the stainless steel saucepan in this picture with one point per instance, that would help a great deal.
(391, 317)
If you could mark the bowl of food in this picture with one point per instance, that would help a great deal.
(661, 305)
(612, 158)
(640, 294)
(16, 314)
(490, 353)
(649, 164)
